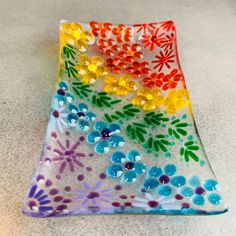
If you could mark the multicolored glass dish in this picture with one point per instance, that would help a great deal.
(121, 138)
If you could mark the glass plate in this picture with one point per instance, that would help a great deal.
(121, 138)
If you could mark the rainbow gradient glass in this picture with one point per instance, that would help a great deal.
(121, 137)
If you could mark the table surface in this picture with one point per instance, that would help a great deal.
(28, 67)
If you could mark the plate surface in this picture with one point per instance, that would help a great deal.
(121, 138)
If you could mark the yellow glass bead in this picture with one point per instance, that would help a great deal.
(149, 96)
(131, 85)
(97, 61)
(87, 36)
(82, 70)
(109, 88)
(89, 78)
(81, 45)
(101, 71)
(84, 59)
(121, 91)
(92, 67)
(122, 82)
(149, 106)
(111, 79)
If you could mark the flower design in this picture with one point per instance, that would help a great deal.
(108, 47)
(164, 181)
(127, 167)
(80, 117)
(91, 68)
(38, 201)
(168, 81)
(58, 117)
(94, 199)
(148, 99)
(100, 29)
(76, 35)
(62, 94)
(105, 136)
(126, 59)
(122, 33)
(152, 202)
(164, 59)
(121, 85)
(198, 193)
(154, 38)
(67, 155)
(167, 43)
(176, 100)
(145, 27)
(168, 25)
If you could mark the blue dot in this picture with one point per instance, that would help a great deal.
(186, 191)
(184, 116)
(165, 190)
(170, 169)
(155, 171)
(198, 200)
(210, 184)
(194, 181)
(190, 137)
(178, 181)
(214, 199)
(150, 184)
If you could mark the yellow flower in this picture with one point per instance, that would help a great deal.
(148, 99)
(90, 68)
(74, 34)
(119, 85)
(176, 100)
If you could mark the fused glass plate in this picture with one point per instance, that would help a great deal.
(121, 137)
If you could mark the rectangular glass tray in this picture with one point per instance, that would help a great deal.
(121, 138)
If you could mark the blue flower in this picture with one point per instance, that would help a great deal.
(38, 201)
(62, 94)
(200, 192)
(126, 167)
(105, 137)
(163, 180)
(80, 117)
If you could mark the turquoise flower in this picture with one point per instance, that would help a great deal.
(127, 167)
(62, 94)
(164, 181)
(199, 193)
(80, 117)
(105, 137)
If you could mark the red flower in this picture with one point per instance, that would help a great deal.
(167, 44)
(145, 27)
(168, 25)
(100, 29)
(122, 33)
(168, 81)
(152, 39)
(164, 59)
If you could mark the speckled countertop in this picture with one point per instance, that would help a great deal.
(28, 68)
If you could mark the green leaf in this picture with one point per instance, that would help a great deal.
(188, 143)
(193, 148)
(181, 131)
(193, 156)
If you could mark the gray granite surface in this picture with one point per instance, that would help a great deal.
(28, 69)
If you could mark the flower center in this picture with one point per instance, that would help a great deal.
(32, 204)
(164, 179)
(68, 152)
(106, 133)
(153, 204)
(154, 38)
(61, 92)
(129, 165)
(200, 191)
(80, 114)
(55, 113)
(93, 195)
